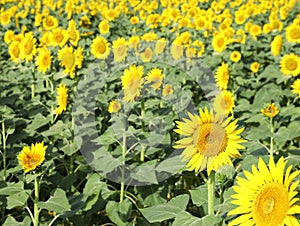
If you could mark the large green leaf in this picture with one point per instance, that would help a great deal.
(119, 212)
(17, 199)
(186, 219)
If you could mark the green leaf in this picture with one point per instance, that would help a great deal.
(38, 121)
(12, 221)
(57, 203)
(171, 165)
(17, 199)
(166, 211)
(70, 149)
(12, 188)
(199, 196)
(145, 173)
(119, 212)
(186, 219)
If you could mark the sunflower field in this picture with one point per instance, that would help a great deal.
(157, 112)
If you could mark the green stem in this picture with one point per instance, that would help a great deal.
(32, 90)
(36, 200)
(123, 168)
(272, 137)
(4, 150)
(142, 155)
(210, 192)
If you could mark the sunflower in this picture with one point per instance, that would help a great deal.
(224, 102)
(29, 159)
(210, 140)
(119, 49)
(219, 42)
(177, 49)
(276, 45)
(155, 77)
(134, 20)
(73, 33)
(62, 99)
(270, 111)
(292, 33)
(9, 36)
(134, 42)
(222, 76)
(266, 196)
(104, 27)
(296, 87)
(27, 47)
(235, 56)
(160, 46)
(58, 37)
(100, 48)
(149, 37)
(43, 60)
(14, 51)
(132, 82)
(50, 22)
(146, 56)
(254, 67)
(290, 64)
(114, 106)
(255, 30)
(167, 90)
(70, 59)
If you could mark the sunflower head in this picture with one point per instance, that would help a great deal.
(62, 99)
(235, 56)
(114, 106)
(43, 60)
(31, 158)
(290, 64)
(270, 111)
(119, 49)
(210, 140)
(296, 87)
(155, 77)
(177, 49)
(224, 102)
(222, 76)
(100, 48)
(266, 196)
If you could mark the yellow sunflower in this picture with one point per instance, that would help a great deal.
(27, 47)
(29, 159)
(149, 37)
(146, 56)
(292, 33)
(266, 196)
(50, 22)
(276, 45)
(290, 64)
(119, 49)
(270, 111)
(100, 48)
(9, 36)
(235, 56)
(254, 67)
(70, 59)
(177, 49)
(132, 82)
(222, 76)
(104, 27)
(62, 99)
(58, 37)
(73, 33)
(14, 51)
(224, 102)
(134, 42)
(155, 78)
(167, 90)
(219, 42)
(43, 60)
(160, 46)
(114, 106)
(210, 140)
(296, 87)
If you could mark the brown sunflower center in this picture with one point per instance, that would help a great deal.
(58, 37)
(32, 161)
(46, 60)
(220, 42)
(271, 205)
(291, 64)
(101, 47)
(212, 139)
(49, 22)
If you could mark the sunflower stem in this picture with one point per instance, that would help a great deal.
(35, 203)
(272, 137)
(123, 168)
(4, 150)
(210, 192)
(142, 155)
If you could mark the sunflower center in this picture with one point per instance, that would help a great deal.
(32, 161)
(220, 42)
(58, 37)
(28, 48)
(101, 48)
(212, 140)
(49, 22)
(46, 60)
(295, 33)
(291, 64)
(121, 50)
(69, 60)
(271, 205)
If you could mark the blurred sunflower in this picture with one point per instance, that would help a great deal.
(266, 196)
(27, 47)
(155, 78)
(58, 37)
(62, 99)
(296, 87)
(167, 90)
(254, 67)
(270, 111)
(9, 36)
(104, 27)
(134, 42)
(30, 159)
(177, 49)
(276, 45)
(290, 64)
(100, 48)
(146, 56)
(235, 56)
(43, 60)
(70, 59)
(292, 33)
(119, 49)
(50, 22)
(210, 140)
(160, 46)
(219, 42)
(222, 76)
(14, 51)
(73, 33)
(149, 37)
(199, 46)
(114, 106)
(224, 102)
(132, 82)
